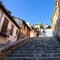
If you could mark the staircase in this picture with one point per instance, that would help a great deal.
(43, 48)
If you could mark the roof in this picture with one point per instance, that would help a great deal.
(35, 24)
(22, 21)
(26, 24)
(8, 14)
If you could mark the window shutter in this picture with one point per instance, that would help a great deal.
(11, 31)
(4, 26)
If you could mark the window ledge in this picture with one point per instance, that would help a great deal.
(3, 35)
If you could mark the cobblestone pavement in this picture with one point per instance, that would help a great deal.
(43, 48)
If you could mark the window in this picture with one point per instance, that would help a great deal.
(23, 26)
(11, 31)
(4, 26)
(17, 32)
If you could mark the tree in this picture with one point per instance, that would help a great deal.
(41, 26)
(49, 27)
(37, 33)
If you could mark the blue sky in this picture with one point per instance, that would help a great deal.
(33, 11)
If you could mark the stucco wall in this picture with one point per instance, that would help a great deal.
(25, 30)
(55, 23)
(32, 33)
(49, 33)
(1, 19)
(58, 30)
(14, 36)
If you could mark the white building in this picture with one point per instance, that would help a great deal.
(36, 26)
(49, 33)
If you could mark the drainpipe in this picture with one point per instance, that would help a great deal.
(1, 15)
(0, 19)
(1, 11)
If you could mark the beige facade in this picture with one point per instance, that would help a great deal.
(9, 29)
(25, 29)
(55, 19)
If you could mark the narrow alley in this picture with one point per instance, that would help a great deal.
(30, 31)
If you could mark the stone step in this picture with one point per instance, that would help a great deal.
(35, 54)
(32, 58)
(40, 46)
(50, 46)
(23, 51)
(38, 49)
(54, 48)
(19, 58)
(47, 51)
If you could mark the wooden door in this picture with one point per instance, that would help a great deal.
(28, 33)
(4, 26)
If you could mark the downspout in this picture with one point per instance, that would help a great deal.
(1, 15)
(1, 19)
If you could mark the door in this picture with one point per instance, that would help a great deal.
(28, 33)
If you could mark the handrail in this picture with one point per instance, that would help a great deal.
(11, 44)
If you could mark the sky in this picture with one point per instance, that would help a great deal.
(32, 11)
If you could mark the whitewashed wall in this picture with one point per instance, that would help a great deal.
(49, 33)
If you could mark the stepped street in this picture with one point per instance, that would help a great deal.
(22, 40)
(44, 48)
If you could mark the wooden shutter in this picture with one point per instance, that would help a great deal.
(4, 26)
(17, 32)
(28, 33)
(11, 31)
(18, 36)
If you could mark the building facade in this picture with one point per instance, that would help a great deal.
(32, 33)
(37, 26)
(56, 20)
(9, 29)
(25, 29)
